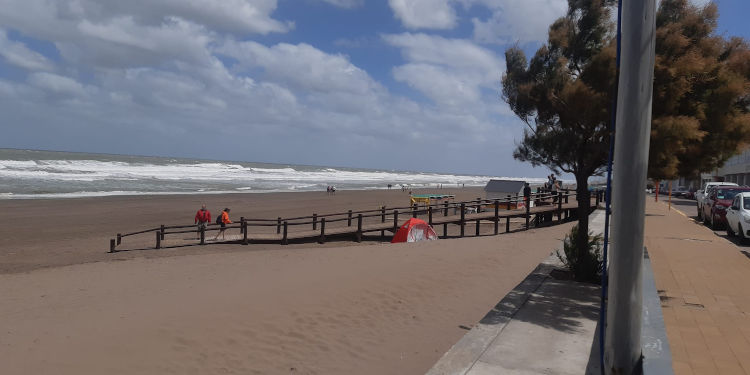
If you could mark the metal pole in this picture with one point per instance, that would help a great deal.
(623, 334)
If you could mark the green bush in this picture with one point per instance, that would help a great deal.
(583, 260)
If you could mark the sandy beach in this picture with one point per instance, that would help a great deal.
(338, 308)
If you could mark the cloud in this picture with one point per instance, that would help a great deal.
(18, 54)
(511, 21)
(58, 84)
(301, 66)
(448, 71)
(346, 3)
(424, 14)
(160, 77)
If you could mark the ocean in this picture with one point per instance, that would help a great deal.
(26, 174)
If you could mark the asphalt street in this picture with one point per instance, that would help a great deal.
(690, 209)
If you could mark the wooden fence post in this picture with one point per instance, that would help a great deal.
(112, 245)
(349, 220)
(244, 232)
(158, 240)
(429, 215)
(315, 221)
(382, 220)
(414, 210)
(359, 228)
(445, 225)
(463, 217)
(161, 230)
(476, 232)
(528, 210)
(559, 207)
(507, 224)
(395, 222)
(567, 194)
(322, 238)
(278, 225)
(497, 216)
(203, 234)
(242, 224)
(508, 202)
(479, 205)
(119, 239)
(284, 239)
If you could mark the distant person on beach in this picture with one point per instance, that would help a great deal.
(202, 217)
(328, 189)
(333, 190)
(223, 220)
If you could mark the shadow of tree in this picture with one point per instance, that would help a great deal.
(541, 300)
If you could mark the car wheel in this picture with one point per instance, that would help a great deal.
(741, 234)
(713, 221)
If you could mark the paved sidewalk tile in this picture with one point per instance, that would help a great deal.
(704, 285)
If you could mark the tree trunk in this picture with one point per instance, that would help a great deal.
(583, 196)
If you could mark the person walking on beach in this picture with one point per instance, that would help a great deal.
(202, 218)
(223, 220)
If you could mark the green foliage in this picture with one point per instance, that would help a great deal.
(564, 94)
(582, 258)
(701, 93)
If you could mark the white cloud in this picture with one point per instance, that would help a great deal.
(346, 3)
(18, 54)
(56, 83)
(424, 14)
(186, 78)
(523, 21)
(448, 71)
(301, 66)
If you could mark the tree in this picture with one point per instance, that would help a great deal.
(701, 93)
(564, 96)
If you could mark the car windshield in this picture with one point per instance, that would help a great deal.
(726, 194)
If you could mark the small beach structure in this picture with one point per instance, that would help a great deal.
(415, 230)
(501, 189)
(427, 199)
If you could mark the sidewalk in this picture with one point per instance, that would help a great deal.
(704, 285)
(543, 326)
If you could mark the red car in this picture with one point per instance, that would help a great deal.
(717, 201)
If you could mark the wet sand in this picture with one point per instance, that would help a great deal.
(266, 309)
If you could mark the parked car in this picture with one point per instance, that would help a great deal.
(738, 217)
(716, 203)
(679, 192)
(701, 194)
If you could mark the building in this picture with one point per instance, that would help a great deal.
(500, 189)
(736, 169)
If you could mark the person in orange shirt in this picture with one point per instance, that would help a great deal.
(223, 221)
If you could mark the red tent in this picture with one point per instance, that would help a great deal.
(414, 230)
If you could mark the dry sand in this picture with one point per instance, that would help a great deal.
(307, 309)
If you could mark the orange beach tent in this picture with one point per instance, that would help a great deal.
(414, 230)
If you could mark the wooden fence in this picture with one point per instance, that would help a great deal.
(318, 227)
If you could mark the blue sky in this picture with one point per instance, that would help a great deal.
(397, 84)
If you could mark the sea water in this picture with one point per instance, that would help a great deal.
(51, 174)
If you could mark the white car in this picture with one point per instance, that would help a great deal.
(738, 216)
(700, 195)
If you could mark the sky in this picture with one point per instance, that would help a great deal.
(387, 84)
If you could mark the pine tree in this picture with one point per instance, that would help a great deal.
(701, 93)
(564, 96)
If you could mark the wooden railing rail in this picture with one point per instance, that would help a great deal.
(357, 218)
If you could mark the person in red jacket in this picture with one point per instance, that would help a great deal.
(202, 218)
(223, 222)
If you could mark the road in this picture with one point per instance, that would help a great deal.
(689, 208)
